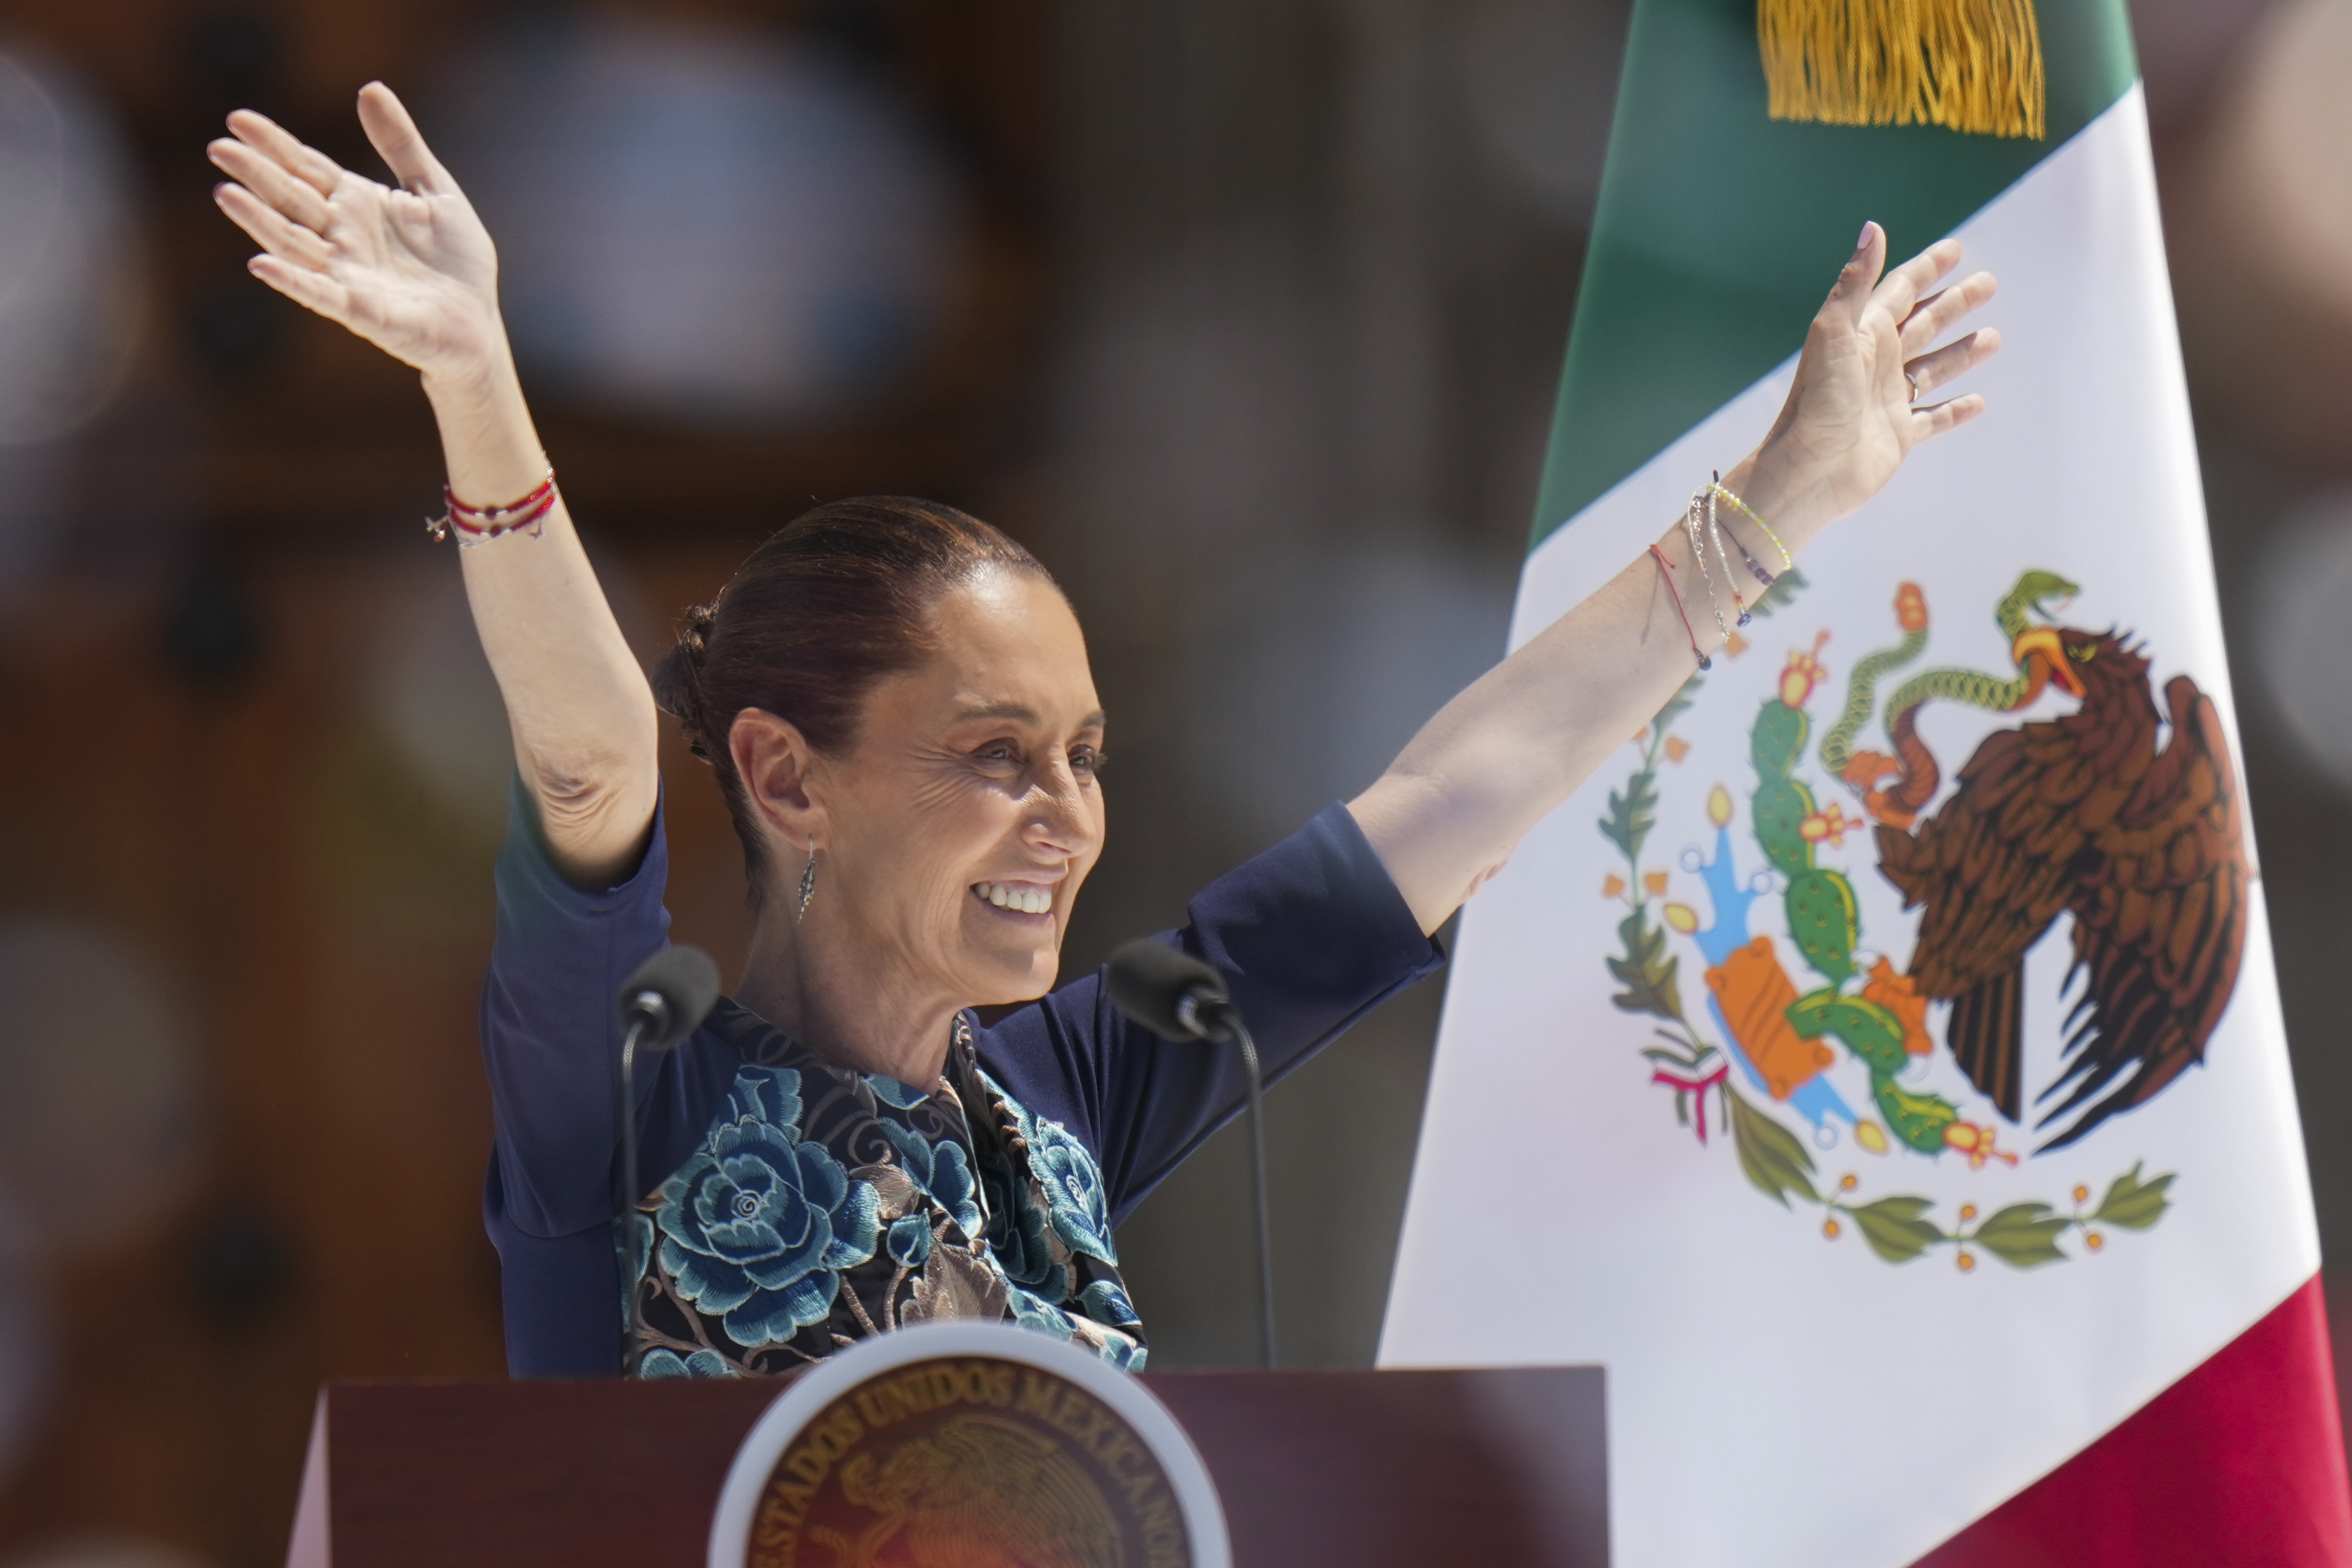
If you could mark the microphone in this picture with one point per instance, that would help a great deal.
(1174, 995)
(670, 996)
(666, 1000)
(1169, 991)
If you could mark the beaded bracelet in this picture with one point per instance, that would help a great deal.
(1723, 558)
(475, 526)
(480, 524)
(1704, 662)
(1787, 560)
(1754, 567)
(1698, 553)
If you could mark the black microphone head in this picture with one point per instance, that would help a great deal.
(670, 995)
(1151, 981)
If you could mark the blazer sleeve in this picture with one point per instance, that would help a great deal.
(551, 1039)
(551, 1046)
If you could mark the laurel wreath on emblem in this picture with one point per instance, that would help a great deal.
(2082, 814)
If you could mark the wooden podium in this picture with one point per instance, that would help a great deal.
(1497, 1469)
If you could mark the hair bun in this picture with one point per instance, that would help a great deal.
(677, 679)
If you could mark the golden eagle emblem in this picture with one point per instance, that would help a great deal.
(973, 1461)
(976, 1489)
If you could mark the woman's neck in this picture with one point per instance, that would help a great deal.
(839, 1008)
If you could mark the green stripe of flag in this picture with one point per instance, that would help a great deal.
(1719, 229)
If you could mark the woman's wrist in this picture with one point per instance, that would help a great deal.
(473, 378)
(488, 438)
(1768, 480)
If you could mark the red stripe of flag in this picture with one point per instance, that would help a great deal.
(2241, 1461)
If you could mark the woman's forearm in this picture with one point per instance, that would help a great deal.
(1518, 742)
(582, 712)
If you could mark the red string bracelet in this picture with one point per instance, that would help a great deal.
(480, 524)
(1704, 662)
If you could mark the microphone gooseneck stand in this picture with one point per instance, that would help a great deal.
(1224, 1025)
(666, 1000)
(1257, 1180)
(1179, 997)
(630, 1192)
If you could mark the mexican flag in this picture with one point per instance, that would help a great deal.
(1878, 1065)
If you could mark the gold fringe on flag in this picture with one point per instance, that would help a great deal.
(1966, 65)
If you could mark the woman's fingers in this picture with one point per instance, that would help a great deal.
(312, 290)
(273, 141)
(1903, 286)
(1929, 423)
(272, 182)
(1938, 314)
(270, 230)
(1858, 277)
(1953, 360)
(395, 137)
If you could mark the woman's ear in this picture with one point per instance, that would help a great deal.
(777, 766)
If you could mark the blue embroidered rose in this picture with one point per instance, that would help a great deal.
(1107, 1304)
(910, 1241)
(890, 1092)
(1018, 1234)
(1073, 1188)
(941, 1170)
(667, 1363)
(637, 1242)
(1113, 1346)
(765, 1095)
(1031, 1312)
(756, 1227)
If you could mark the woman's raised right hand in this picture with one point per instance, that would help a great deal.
(412, 270)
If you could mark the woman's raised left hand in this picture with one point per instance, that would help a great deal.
(1863, 393)
(1494, 760)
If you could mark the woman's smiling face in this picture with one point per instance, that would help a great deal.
(967, 812)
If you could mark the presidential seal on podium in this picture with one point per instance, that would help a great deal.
(970, 1445)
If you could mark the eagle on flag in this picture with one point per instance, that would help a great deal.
(2086, 815)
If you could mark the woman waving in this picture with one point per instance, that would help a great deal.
(896, 702)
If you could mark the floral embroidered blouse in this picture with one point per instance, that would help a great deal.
(805, 1206)
(827, 1205)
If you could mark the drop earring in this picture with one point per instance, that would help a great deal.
(808, 880)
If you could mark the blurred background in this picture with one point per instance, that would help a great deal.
(1244, 314)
